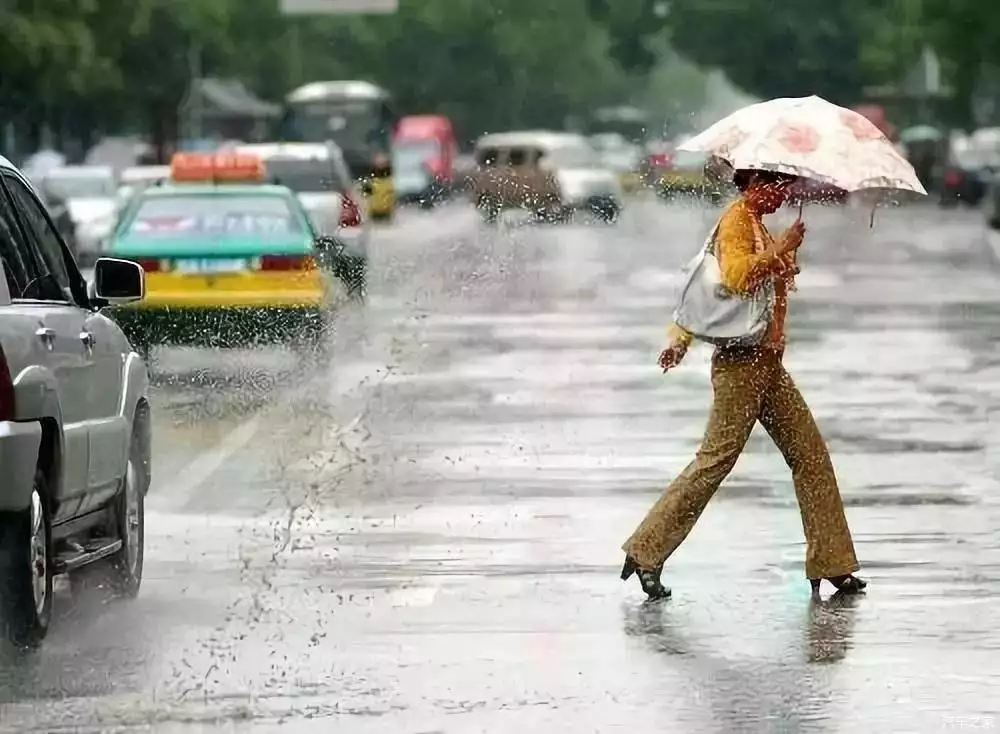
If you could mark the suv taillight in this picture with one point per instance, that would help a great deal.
(7, 406)
(350, 214)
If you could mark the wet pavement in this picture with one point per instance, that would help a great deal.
(424, 537)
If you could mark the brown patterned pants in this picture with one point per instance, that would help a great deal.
(752, 385)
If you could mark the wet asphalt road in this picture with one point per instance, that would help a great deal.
(424, 538)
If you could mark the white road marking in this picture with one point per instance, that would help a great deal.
(413, 596)
(186, 485)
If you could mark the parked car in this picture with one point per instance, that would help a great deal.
(551, 174)
(74, 418)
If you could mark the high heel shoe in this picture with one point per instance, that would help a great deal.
(649, 580)
(847, 584)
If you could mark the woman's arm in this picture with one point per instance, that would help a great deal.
(678, 336)
(743, 269)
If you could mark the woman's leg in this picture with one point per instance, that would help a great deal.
(788, 420)
(738, 388)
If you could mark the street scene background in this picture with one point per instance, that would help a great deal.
(422, 534)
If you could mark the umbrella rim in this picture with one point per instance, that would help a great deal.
(784, 168)
(898, 185)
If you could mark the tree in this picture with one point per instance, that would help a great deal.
(966, 34)
(633, 27)
(800, 48)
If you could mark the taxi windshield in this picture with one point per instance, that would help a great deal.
(190, 214)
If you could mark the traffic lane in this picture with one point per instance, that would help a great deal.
(486, 517)
(210, 405)
(549, 416)
(227, 465)
(512, 420)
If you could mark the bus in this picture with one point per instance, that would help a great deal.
(357, 115)
(629, 122)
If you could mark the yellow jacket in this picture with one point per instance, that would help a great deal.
(742, 243)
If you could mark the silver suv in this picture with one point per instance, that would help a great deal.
(74, 418)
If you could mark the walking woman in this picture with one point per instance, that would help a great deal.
(750, 384)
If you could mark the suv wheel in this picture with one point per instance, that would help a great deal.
(125, 566)
(26, 570)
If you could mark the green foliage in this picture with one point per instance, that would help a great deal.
(776, 49)
(489, 65)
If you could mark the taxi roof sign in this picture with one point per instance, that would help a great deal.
(216, 168)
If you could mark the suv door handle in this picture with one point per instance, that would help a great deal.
(47, 335)
(88, 339)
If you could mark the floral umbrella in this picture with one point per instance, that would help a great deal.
(812, 138)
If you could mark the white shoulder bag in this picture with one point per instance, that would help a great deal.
(715, 314)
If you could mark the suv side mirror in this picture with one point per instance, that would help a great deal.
(119, 281)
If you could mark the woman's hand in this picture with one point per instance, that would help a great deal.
(791, 239)
(672, 356)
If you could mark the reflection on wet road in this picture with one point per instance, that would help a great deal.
(424, 537)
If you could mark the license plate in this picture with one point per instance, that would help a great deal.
(196, 267)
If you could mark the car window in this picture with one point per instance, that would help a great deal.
(487, 156)
(305, 176)
(521, 156)
(571, 156)
(183, 215)
(13, 268)
(47, 241)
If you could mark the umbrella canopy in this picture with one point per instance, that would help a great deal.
(812, 138)
(920, 134)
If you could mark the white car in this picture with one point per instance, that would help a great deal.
(552, 173)
(318, 175)
(135, 179)
(74, 418)
(91, 195)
